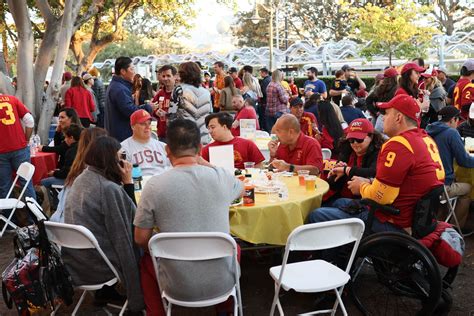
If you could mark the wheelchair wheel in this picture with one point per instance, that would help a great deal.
(393, 274)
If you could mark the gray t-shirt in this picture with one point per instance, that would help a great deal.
(190, 199)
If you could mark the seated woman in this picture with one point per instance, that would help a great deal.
(331, 129)
(97, 201)
(358, 154)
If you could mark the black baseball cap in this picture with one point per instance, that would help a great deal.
(296, 102)
(447, 113)
(232, 70)
(347, 67)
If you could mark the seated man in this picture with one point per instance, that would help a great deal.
(466, 128)
(408, 167)
(58, 176)
(451, 147)
(244, 111)
(349, 111)
(294, 150)
(219, 125)
(142, 149)
(208, 192)
(308, 122)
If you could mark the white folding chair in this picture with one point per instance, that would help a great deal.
(326, 153)
(36, 209)
(79, 237)
(57, 187)
(317, 275)
(25, 171)
(196, 247)
(451, 204)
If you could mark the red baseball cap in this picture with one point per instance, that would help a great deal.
(410, 66)
(405, 104)
(359, 128)
(139, 116)
(390, 73)
(433, 73)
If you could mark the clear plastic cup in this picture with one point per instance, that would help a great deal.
(310, 182)
(301, 175)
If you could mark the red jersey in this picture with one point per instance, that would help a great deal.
(244, 150)
(411, 163)
(463, 95)
(306, 152)
(238, 83)
(308, 124)
(11, 131)
(81, 100)
(247, 112)
(161, 126)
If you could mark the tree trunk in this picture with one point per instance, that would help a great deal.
(25, 88)
(5, 85)
(3, 27)
(71, 10)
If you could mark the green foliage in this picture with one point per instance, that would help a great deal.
(392, 31)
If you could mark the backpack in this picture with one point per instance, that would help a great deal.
(37, 278)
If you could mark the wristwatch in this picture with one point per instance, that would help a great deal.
(292, 168)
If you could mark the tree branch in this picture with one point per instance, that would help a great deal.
(45, 10)
(93, 9)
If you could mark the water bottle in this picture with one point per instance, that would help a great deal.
(283, 192)
(137, 177)
(32, 147)
(34, 143)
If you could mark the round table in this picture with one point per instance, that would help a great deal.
(271, 223)
(43, 162)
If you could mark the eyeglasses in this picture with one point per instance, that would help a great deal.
(355, 140)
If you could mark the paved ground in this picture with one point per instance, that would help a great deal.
(257, 288)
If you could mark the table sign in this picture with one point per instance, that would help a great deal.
(222, 156)
(248, 129)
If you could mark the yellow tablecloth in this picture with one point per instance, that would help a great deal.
(271, 223)
(465, 175)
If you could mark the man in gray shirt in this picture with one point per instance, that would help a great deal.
(188, 198)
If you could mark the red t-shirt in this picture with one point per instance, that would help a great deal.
(12, 134)
(412, 164)
(306, 152)
(244, 151)
(247, 112)
(161, 126)
(238, 83)
(307, 123)
(327, 141)
(80, 99)
(463, 95)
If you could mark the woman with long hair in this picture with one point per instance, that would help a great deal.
(190, 100)
(409, 83)
(81, 100)
(437, 97)
(136, 88)
(97, 201)
(249, 91)
(331, 127)
(229, 91)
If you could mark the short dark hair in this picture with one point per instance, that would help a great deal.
(420, 61)
(168, 67)
(347, 99)
(464, 72)
(264, 69)
(339, 73)
(122, 63)
(313, 69)
(248, 68)
(250, 102)
(223, 118)
(102, 154)
(219, 63)
(190, 73)
(73, 131)
(183, 136)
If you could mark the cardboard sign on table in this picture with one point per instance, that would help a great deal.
(248, 129)
(222, 156)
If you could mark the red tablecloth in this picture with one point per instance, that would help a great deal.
(43, 162)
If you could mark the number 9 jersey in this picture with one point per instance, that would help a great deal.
(12, 134)
(408, 167)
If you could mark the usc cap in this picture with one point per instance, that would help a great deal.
(360, 128)
(405, 104)
(410, 66)
(139, 116)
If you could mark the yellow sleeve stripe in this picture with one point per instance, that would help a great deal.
(379, 192)
(400, 139)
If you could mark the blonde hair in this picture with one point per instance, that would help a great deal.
(248, 81)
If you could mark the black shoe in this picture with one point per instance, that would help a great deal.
(108, 294)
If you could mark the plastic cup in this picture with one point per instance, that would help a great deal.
(310, 182)
(301, 176)
(249, 165)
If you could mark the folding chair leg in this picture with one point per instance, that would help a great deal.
(79, 303)
(8, 221)
(124, 308)
(276, 302)
(168, 310)
(56, 309)
(344, 312)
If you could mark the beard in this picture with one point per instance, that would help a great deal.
(310, 77)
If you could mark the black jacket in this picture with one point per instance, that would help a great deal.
(60, 148)
(69, 157)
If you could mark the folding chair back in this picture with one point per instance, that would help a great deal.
(25, 171)
(75, 237)
(36, 209)
(327, 153)
(195, 246)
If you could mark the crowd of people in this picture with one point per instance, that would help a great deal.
(393, 144)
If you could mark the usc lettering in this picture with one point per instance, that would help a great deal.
(149, 156)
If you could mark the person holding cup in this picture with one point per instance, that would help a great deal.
(161, 101)
(292, 150)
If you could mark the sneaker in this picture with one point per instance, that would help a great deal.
(108, 294)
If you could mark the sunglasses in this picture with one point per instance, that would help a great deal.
(355, 140)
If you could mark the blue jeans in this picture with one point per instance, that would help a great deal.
(335, 212)
(53, 196)
(10, 162)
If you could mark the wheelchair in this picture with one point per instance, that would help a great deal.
(394, 274)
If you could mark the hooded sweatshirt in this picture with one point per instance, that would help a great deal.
(450, 147)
